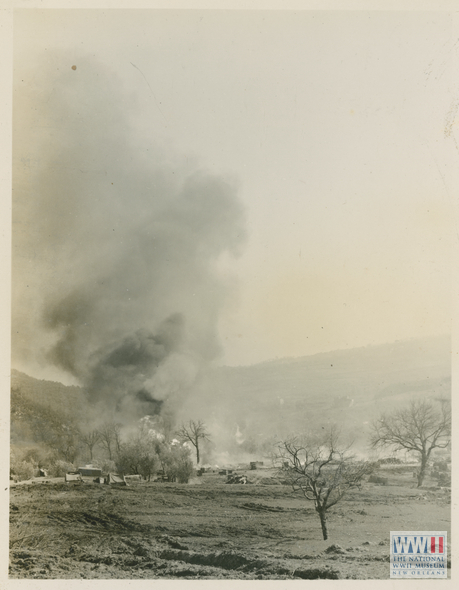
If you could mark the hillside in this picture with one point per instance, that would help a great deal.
(349, 387)
(40, 408)
(45, 392)
(244, 405)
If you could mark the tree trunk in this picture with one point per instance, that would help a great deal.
(422, 470)
(197, 454)
(323, 524)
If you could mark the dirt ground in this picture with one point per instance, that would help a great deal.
(208, 529)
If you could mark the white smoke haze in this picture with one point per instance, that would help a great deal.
(116, 245)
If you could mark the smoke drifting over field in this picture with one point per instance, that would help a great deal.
(116, 244)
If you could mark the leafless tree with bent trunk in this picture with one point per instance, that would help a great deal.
(322, 469)
(420, 428)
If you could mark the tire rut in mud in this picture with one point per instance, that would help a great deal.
(98, 520)
(232, 560)
(161, 558)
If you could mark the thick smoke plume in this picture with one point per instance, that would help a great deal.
(116, 244)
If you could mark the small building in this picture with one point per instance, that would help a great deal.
(90, 471)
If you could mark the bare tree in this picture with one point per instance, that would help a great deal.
(322, 469)
(420, 428)
(68, 443)
(90, 439)
(109, 434)
(193, 432)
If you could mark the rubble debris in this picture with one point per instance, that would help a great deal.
(235, 478)
(335, 549)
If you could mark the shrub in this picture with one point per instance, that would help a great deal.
(177, 463)
(37, 455)
(23, 470)
(138, 457)
(59, 468)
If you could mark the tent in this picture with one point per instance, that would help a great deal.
(115, 479)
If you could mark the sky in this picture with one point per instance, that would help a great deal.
(281, 181)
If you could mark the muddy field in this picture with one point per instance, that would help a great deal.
(208, 529)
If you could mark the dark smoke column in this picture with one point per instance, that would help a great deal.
(125, 294)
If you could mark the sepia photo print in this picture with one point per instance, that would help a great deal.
(231, 309)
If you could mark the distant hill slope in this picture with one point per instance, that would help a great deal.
(350, 387)
(51, 393)
(40, 405)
